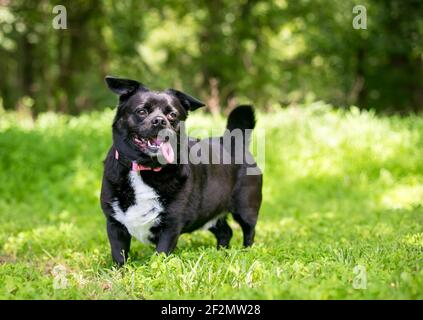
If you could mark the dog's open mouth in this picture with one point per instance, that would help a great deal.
(153, 146)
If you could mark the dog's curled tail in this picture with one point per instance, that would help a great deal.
(237, 136)
(243, 118)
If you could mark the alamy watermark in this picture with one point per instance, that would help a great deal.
(360, 279)
(360, 20)
(60, 21)
(231, 148)
(60, 280)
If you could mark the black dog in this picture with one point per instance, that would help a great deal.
(149, 192)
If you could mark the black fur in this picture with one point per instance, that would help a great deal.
(191, 195)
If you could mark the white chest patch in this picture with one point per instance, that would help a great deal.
(144, 213)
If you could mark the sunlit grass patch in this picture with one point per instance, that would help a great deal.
(403, 197)
(342, 188)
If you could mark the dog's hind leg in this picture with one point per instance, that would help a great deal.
(247, 220)
(223, 232)
(246, 205)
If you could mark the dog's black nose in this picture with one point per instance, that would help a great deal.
(158, 121)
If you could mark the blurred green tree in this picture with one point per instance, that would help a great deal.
(271, 53)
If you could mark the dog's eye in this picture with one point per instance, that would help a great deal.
(142, 112)
(172, 115)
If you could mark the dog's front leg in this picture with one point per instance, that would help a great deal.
(167, 240)
(120, 241)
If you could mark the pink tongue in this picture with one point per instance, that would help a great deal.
(167, 152)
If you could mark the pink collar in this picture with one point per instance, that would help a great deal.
(138, 167)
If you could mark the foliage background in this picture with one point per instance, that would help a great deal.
(343, 186)
(341, 189)
(272, 53)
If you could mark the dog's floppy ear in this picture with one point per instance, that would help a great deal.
(188, 102)
(122, 86)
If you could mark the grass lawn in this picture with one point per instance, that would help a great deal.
(342, 216)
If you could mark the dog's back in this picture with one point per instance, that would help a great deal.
(222, 178)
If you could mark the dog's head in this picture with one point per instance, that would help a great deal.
(145, 119)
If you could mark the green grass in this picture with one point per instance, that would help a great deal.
(341, 189)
